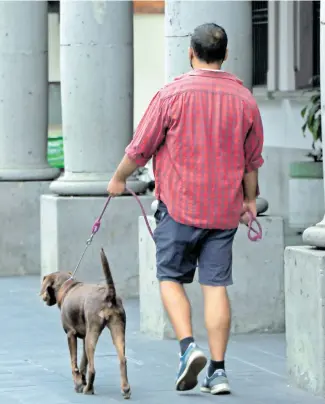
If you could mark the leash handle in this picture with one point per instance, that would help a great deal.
(258, 232)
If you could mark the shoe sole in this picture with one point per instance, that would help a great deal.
(188, 379)
(222, 388)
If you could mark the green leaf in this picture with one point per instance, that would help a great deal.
(315, 99)
(312, 111)
(316, 128)
(303, 111)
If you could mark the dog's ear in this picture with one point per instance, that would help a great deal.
(47, 283)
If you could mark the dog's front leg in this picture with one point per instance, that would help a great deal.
(72, 342)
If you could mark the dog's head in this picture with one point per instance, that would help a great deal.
(51, 285)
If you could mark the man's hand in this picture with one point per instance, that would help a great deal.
(116, 187)
(117, 184)
(248, 206)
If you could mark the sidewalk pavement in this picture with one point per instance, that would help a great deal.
(35, 364)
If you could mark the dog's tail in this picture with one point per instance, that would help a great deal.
(108, 277)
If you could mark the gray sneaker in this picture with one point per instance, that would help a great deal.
(190, 365)
(216, 384)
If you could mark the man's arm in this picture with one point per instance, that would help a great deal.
(251, 186)
(253, 156)
(148, 137)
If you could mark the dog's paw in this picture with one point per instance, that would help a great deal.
(88, 390)
(79, 388)
(126, 393)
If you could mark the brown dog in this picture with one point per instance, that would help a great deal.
(85, 311)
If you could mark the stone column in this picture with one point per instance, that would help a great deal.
(97, 93)
(24, 171)
(286, 46)
(315, 235)
(305, 290)
(24, 91)
(97, 115)
(181, 18)
(273, 45)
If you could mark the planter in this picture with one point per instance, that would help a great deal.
(306, 194)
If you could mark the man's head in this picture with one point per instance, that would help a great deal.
(208, 46)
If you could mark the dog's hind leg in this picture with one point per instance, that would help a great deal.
(72, 342)
(84, 364)
(118, 336)
(90, 346)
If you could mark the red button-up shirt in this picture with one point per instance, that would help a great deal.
(204, 131)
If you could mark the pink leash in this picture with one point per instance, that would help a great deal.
(96, 227)
(97, 224)
(258, 232)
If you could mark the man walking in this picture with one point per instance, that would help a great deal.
(205, 134)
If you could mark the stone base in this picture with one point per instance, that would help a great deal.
(20, 227)
(315, 235)
(66, 225)
(257, 295)
(305, 317)
(84, 184)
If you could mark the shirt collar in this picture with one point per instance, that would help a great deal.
(217, 74)
(210, 70)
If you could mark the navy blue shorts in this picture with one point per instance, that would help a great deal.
(179, 248)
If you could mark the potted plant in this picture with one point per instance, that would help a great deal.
(306, 190)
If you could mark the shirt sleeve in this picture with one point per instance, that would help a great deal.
(150, 132)
(254, 143)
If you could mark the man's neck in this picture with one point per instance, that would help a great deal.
(207, 66)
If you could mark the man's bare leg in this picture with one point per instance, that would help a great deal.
(217, 315)
(217, 320)
(192, 359)
(178, 308)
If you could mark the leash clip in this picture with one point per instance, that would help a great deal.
(89, 241)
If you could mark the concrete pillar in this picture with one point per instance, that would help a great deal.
(181, 17)
(97, 115)
(315, 235)
(24, 171)
(24, 91)
(97, 93)
(286, 46)
(305, 291)
(273, 45)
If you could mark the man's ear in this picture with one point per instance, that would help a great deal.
(226, 55)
